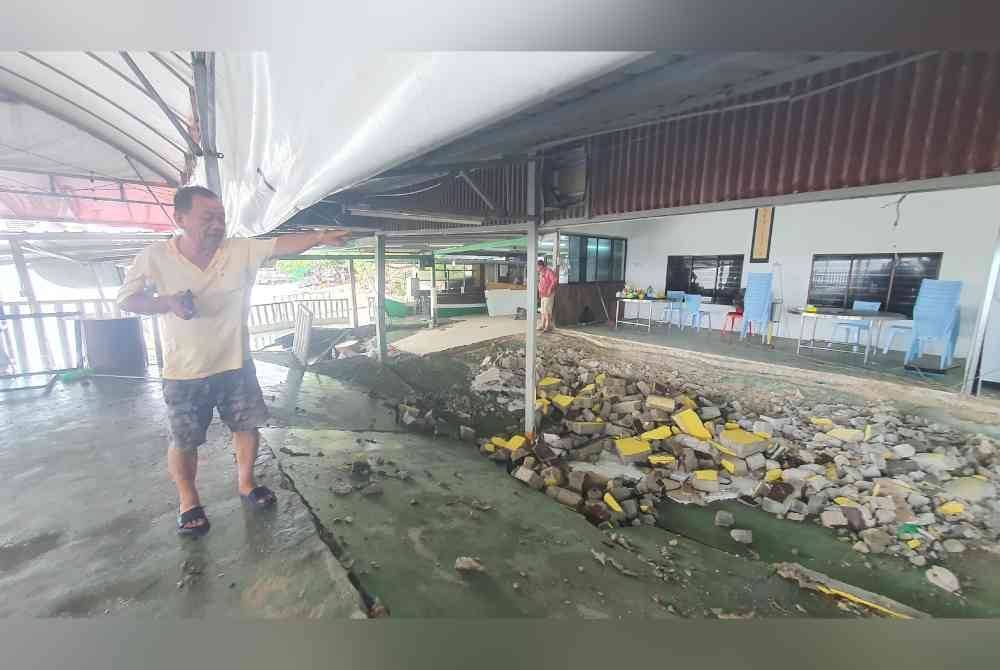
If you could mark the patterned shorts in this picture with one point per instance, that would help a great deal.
(191, 402)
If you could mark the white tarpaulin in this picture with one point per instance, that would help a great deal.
(298, 124)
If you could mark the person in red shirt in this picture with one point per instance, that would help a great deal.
(547, 283)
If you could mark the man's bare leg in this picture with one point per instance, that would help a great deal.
(246, 443)
(183, 467)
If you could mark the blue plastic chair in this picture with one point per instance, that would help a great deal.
(757, 303)
(935, 318)
(673, 306)
(691, 312)
(856, 326)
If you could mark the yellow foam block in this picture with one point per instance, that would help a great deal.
(588, 389)
(675, 430)
(662, 459)
(610, 501)
(632, 446)
(542, 404)
(689, 422)
(516, 442)
(661, 433)
(563, 401)
(732, 425)
(645, 509)
(687, 401)
(706, 475)
(821, 422)
(499, 442)
(952, 507)
(740, 436)
(728, 465)
(845, 502)
(724, 449)
(549, 381)
(913, 544)
(773, 475)
(599, 379)
(490, 447)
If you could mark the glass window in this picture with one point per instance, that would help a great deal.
(890, 279)
(591, 259)
(583, 258)
(716, 278)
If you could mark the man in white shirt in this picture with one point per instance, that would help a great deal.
(201, 281)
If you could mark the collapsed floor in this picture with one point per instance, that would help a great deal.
(395, 525)
(623, 440)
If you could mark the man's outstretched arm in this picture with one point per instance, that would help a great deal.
(296, 243)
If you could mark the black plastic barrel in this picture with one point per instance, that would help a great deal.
(115, 346)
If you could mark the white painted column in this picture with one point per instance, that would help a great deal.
(28, 291)
(982, 322)
(379, 316)
(532, 297)
(354, 293)
(434, 295)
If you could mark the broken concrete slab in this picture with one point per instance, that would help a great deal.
(529, 477)
(632, 449)
(564, 496)
(741, 443)
(689, 422)
(585, 427)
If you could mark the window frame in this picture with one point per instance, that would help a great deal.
(719, 258)
(895, 257)
(581, 272)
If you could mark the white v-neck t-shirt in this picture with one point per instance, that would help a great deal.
(217, 339)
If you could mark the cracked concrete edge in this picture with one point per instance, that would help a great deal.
(972, 409)
(368, 605)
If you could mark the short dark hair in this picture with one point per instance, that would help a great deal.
(184, 197)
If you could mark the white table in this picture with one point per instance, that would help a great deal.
(877, 319)
(638, 322)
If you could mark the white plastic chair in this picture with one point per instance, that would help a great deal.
(904, 328)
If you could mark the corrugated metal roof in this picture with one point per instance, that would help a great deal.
(891, 118)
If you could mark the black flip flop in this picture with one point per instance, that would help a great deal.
(187, 517)
(259, 498)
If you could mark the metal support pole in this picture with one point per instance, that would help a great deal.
(203, 63)
(532, 297)
(379, 316)
(28, 291)
(354, 293)
(100, 289)
(434, 296)
(976, 351)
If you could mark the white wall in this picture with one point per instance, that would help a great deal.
(962, 224)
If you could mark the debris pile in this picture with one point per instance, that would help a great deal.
(618, 438)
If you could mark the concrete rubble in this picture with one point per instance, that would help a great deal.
(616, 440)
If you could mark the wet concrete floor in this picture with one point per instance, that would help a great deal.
(87, 524)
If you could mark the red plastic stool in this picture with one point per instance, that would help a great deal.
(731, 320)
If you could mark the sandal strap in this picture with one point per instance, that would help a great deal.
(192, 514)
